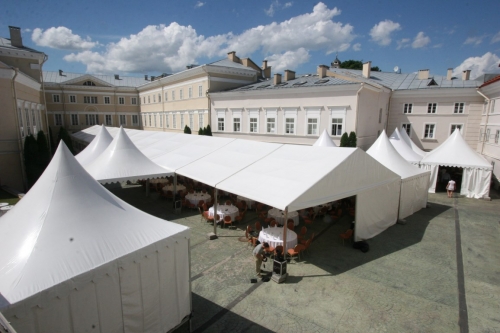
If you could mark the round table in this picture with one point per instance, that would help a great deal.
(279, 216)
(171, 188)
(249, 202)
(224, 210)
(195, 198)
(274, 236)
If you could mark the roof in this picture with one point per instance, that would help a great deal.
(495, 79)
(123, 81)
(228, 63)
(324, 140)
(403, 148)
(95, 148)
(5, 42)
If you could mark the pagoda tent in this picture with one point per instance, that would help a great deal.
(76, 258)
(100, 142)
(412, 144)
(324, 140)
(455, 152)
(414, 181)
(122, 160)
(403, 148)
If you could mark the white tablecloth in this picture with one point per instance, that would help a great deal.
(224, 210)
(249, 202)
(274, 236)
(171, 188)
(195, 198)
(279, 216)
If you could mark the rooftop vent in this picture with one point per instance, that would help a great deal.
(15, 36)
(299, 83)
(146, 77)
(61, 73)
(117, 77)
(263, 86)
(321, 81)
(432, 83)
(282, 84)
(153, 78)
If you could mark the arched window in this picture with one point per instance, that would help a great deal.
(88, 83)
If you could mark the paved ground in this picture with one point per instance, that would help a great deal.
(414, 278)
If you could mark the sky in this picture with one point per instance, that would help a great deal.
(153, 37)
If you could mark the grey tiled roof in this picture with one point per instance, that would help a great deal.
(124, 81)
(5, 42)
(229, 63)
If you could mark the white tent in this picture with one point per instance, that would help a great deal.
(455, 152)
(414, 181)
(324, 140)
(99, 144)
(123, 161)
(76, 258)
(412, 144)
(403, 148)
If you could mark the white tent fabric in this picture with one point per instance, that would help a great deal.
(123, 161)
(324, 140)
(410, 143)
(403, 148)
(415, 181)
(99, 144)
(83, 257)
(455, 152)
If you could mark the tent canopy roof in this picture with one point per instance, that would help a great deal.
(66, 225)
(403, 148)
(324, 140)
(412, 144)
(96, 147)
(455, 152)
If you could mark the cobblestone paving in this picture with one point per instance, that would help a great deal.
(407, 282)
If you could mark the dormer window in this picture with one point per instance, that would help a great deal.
(88, 83)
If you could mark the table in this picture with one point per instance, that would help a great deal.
(279, 216)
(224, 210)
(171, 188)
(195, 198)
(274, 236)
(249, 202)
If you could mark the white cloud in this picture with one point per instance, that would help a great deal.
(199, 4)
(474, 41)
(405, 42)
(288, 4)
(488, 63)
(27, 30)
(356, 47)
(495, 38)
(437, 46)
(170, 48)
(61, 38)
(420, 40)
(381, 32)
(276, 5)
(270, 11)
(288, 60)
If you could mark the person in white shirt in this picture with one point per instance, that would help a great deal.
(450, 188)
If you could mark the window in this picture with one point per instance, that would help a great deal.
(154, 98)
(407, 128)
(481, 134)
(149, 99)
(200, 91)
(453, 127)
(191, 122)
(190, 92)
(28, 126)
(174, 120)
(91, 119)
(220, 124)
(312, 126)
(337, 126)
(289, 125)
(167, 121)
(121, 100)
(144, 100)
(182, 121)
(56, 99)
(159, 98)
(173, 95)
(74, 119)
(429, 131)
(58, 119)
(497, 135)
(237, 124)
(88, 83)
(459, 108)
(150, 123)
(253, 125)
(181, 94)
(108, 120)
(123, 120)
(380, 116)
(72, 98)
(431, 107)
(487, 138)
(408, 108)
(133, 101)
(33, 120)
(271, 125)
(200, 120)
(21, 126)
(154, 117)
(166, 96)
(107, 100)
(135, 120)
(90, 99)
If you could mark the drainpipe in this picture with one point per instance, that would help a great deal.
(207, 93)
(388, 110)
(357, 111)
(45, 58)
(19, 137)
(487, 117)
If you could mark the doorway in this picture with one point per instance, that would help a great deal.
(445, 173)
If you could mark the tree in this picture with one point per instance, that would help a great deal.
(344, 140)
(64, 135)
(53, 143)
(43, 151)
(187, 130)
(200, 131)
(208, 131)
(356, 64)
(352, 140)
(31, 160)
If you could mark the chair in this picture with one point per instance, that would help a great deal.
(308, 221)
(201, 203)
(258, 226)
(228, 220)
(273, 223)
(248, 236)
(304, 241)
(204, 206)
(302, 234)
(169, 195)
(346, 235)
(229, 203)
(203, 216)
(295, 252)
(290, 224)
(240, 217)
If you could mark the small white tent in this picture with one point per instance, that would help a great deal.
(455, 152)
(75, 258)
(99, 144)
(410, 143)
(403, 148)
(324, 140)
(123, 161)
(414, 181)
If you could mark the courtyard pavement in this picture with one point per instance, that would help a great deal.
(439, 272)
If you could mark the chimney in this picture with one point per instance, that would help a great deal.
(61, 72)
(153, 78)
(289, 75)
(15, 36)
(146, 77)
(232, 56)
(423, 74)
(117, 77)
(277, 79)
(449, 74)
(367, 69)
(266, 70)
(322, 71)
(466, 75)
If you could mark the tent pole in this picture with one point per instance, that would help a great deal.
(285, 230)
(147, 187)
(215, 211)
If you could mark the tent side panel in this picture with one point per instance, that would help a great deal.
(183, 282)
(54, 316)
(476, 183)
(21, 320)
(377, 209)
(84, 309)
(150, 293)
(169, 296)
(130, 286)
(433, 178)
(413, 195)
(109, 301)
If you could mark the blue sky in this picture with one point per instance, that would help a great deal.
(153, 37)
